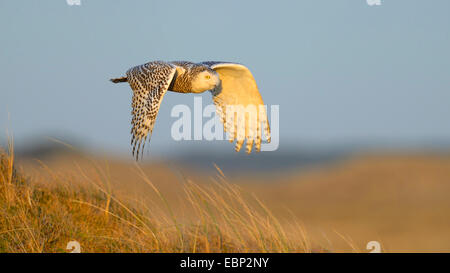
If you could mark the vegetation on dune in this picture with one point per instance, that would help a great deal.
(113, 206)
(43, 216)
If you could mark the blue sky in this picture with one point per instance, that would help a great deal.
(341, 71)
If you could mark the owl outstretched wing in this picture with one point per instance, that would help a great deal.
(149, 82)
(240, 105)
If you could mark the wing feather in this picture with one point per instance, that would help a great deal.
(149, 82)
(240, 105)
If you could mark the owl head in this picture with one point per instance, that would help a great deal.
(205, 79)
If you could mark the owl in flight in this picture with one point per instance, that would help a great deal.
(234, 90)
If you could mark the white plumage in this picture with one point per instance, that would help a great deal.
(234, 90)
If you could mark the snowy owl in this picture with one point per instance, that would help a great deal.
(234, 90)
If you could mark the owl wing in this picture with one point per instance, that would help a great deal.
(240, 105)
(149, 82)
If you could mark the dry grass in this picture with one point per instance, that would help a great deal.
(44, 213)
(400, 200)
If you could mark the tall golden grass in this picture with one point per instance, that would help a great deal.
(43, 215)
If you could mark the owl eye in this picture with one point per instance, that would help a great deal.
(207, 77)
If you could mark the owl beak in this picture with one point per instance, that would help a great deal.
(218, 87)
(218, 81)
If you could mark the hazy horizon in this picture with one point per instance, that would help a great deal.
(341, 71)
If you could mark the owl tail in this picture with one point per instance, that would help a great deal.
(121, 79)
